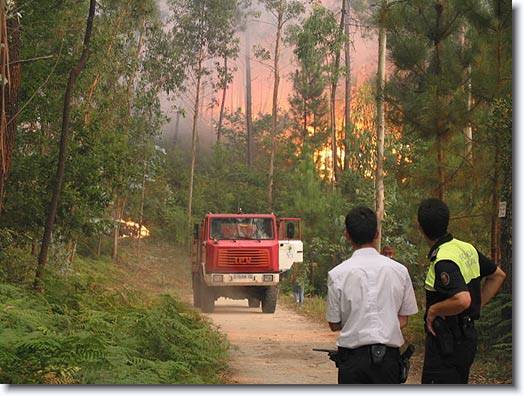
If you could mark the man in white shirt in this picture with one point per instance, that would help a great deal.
(370, 297)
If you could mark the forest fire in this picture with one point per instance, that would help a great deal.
(130, 229)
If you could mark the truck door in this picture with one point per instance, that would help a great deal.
(290, 246)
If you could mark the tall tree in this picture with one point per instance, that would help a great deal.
(426, 89)
(347, 86)
(381, 77)
(314, 40)
(206, 28)
(53, 206)
(282, 11)
(335, 72)
(11, 76)
(249, 102)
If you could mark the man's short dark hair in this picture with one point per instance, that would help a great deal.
(433, 217)
(361, 225)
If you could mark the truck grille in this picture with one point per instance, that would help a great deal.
(251, 257)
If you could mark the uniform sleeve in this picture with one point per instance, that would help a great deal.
(487, 267)
(448, 278)
(333, 302)
(409, 302)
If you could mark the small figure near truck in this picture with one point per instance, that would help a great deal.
(242, 256)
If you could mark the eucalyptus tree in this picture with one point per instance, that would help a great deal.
(282, 11)
(315, 42)
(206, 30)
(53, 206)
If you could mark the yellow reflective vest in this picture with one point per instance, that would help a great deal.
(461, 253)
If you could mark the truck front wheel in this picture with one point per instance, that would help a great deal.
(269, 300)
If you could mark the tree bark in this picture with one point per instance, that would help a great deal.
(53, 206)
(379, 176)
(249, 105)
(177, 124)
(194, 146)
(222, 103)
(333, 112)
(141, 212)
(118, 212)
(274, 111)
(12, 71)
(348, 128)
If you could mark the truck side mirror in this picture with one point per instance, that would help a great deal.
(290, 230)
(196, 231)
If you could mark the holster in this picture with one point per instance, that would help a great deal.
(377, 353)
(444, 336)
(404, 362)
(335, 357)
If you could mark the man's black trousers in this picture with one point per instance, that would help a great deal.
(453, 368)
(356, 367)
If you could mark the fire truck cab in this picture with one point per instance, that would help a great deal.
(241, 256)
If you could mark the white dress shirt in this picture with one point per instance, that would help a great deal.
(366, 293)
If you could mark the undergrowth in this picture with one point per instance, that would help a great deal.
(86, 328)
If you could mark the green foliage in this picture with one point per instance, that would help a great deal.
(496, 324)
(86, 329)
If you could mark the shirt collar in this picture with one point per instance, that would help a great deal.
(368, 251)
(443, 239)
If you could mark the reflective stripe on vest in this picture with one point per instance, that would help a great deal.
(461, 253)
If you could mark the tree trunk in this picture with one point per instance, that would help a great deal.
(494, 243)
(468, 130)
(53, 206)
(194, 147)
(333, 96)
(141, 212)
(99, 246)
(222, 103)
(12, 72)
(118, 212)
(379, 176)
(72, 251)
(439, 122)
(274, 111)
(249, 105)
(177, 124)
(348, 128)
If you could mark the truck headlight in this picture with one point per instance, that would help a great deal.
(268, 278)
(218, 278)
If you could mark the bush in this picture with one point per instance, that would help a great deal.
(86, 329)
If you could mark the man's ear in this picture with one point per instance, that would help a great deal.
(348, 237)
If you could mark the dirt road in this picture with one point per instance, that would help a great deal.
(274, 348)
(265, 348)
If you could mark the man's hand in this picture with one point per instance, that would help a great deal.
(450, 306)
(430, 317)
(335, 326)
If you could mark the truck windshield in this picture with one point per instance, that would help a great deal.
(230, 228)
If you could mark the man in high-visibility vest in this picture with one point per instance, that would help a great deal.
(454, 296)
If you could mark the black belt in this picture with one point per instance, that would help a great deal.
(366, 349)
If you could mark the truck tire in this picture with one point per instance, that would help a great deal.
(196, 289)
(253, 302)
(207, 298)
(269, 300)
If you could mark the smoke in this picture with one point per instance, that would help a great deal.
(262, 33)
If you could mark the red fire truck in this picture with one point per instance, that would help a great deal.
(241, 256)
